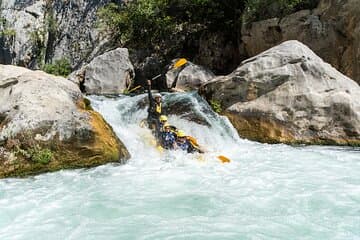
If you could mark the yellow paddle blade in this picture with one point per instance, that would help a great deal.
(223, 159)
(193, 141)
(160, 148)
(180, 62)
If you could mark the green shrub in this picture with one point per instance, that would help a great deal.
(61, 67)
(216, 105)
(167, 26)
(256, 10)
(154, 23)
(42, 156)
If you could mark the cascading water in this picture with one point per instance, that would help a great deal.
(266, 192)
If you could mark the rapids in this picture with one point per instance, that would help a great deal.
(266, 192)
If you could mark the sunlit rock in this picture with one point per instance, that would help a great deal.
(289, 94)
(109, 73)
(46, 125)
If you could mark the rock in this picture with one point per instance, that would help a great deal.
(44, 117)
(218, 53)
(188, 77)
(46, 31)
(288, 94)
(109, 73)
(25, 21)
(332, 31)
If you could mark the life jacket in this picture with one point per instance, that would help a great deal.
(185, 146)
(168, 139)
(190, 145)
(158, 108)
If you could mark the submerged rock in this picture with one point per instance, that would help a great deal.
(288, 94)
(46, 125)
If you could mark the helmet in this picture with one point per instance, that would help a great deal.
(163, 118)
(157, 95)
(166, 125)
(181, 133)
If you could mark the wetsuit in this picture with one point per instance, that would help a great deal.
(154, 113)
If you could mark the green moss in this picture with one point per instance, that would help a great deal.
(87, 104)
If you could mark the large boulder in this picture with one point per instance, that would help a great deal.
(109, 73)
(46, 125)
(332, 31)
(288, 94)
(188, 77)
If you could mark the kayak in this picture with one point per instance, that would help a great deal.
(151, 140)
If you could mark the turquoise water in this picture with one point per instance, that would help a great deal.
(266, 192)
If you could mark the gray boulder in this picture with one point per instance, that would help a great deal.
(109, 73)
(332, 31)
(188, 77)
(288, 94)
(46, 125)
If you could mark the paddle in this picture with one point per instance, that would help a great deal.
(176, 65)
(223, 159)
(179, 63)
(194, 142)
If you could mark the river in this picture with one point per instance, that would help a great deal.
(266, 191)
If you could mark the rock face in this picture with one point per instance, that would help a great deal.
(45, 31)
(218, 53)
(288, 94)
(21, 21)
(188, 77)
(109, 73)
(46, 125)
(332, 31)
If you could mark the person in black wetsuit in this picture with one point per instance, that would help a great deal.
(155, 110)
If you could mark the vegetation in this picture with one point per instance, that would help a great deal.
(41, 155)
(61, 67)
(263, 9)
(159, 23)
(216, 106)
(5, 31)
(30, 149)
(8, 32)
(156, 23)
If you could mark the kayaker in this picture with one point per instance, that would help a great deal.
(183, 142)
(163, 120)
(155, 109)
(168, 138)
